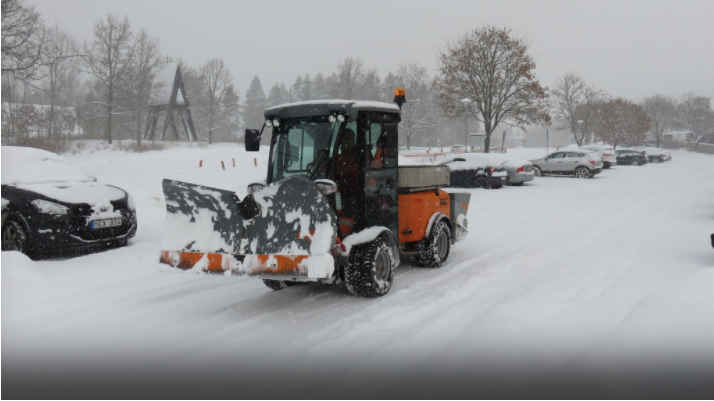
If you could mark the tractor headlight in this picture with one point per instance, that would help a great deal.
(276, 123)
(331, 119)
(340, 118)
(50, 207)
(268, 123)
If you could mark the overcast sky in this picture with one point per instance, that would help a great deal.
(627, 48)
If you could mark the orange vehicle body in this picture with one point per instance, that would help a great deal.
(416, 209)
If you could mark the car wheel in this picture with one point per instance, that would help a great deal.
(517, 184)
(606, 165)
(635, 162)
(481, 182)
(14, 237)
(582, 172)
(537, 172)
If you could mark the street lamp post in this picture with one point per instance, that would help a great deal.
(466, 101)
(582, 137)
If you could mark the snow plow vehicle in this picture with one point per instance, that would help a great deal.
(335, 205)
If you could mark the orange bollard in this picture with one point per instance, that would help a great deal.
(255, 161)
(234, 161)
(223, 165)
(200, 164)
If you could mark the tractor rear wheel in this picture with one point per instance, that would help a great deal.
(371, 267)
(277, 285)
(434, 249)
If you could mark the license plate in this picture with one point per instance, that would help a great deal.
(105, 223)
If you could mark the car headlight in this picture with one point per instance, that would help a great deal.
(130, 201)
(255, 187)
(50, 207)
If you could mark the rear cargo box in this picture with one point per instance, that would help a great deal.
(423, 178)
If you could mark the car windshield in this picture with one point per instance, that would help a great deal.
(303, 146)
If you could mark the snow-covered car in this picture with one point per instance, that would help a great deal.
(582, 164)
(477, 170)
(606, 152)
(458, 148)
(50, 207)
(655, 155)
(630, 157)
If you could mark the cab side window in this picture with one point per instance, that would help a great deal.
(380, 151)
(559, 155)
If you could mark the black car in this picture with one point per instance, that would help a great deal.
(477, 172)
(630, 157)
(52, 208)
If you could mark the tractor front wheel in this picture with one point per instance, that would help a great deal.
(371, 267)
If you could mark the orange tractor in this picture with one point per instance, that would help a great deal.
(335, 207)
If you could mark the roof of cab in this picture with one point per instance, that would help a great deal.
(326, 107)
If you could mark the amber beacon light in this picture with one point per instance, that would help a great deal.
(400, 97)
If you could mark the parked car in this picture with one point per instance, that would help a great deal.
(477, 170)
(51, 208)
(655, 155)
(458, 148)
(606, 152)
(630, 157)
(582, 164)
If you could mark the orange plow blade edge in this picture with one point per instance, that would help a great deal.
(251, 265)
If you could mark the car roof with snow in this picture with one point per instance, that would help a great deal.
(481, 160)
(22, 165)
(325, 107)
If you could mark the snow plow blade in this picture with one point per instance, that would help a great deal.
(270, 266)
(285, 230)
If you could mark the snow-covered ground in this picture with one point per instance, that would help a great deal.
(603, 285)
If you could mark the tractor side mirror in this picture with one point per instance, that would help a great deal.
(252, 140)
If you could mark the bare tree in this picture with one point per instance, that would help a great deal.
(663, 111)
(696, 115)
(575, 106)
(108, 57)
(218, 87)
(139, 79)
(350, 74)
(62, 66)
(23, 41)
(493, 69)
(422, 112)
(623, 121)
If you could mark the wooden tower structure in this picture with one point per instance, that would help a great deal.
(169, 97)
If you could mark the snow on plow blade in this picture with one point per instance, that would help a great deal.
(283, 231)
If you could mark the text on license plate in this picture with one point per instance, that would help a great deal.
(106, 223)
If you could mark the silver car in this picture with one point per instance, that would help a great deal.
(569, 162)
(606, 152)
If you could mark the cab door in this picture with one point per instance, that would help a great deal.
(380, 140)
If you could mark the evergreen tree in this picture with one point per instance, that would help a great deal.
(278, 95)
(255, 105)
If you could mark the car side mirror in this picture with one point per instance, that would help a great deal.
(252, 140)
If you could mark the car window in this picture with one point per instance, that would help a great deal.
(571, 154)
(559, 155)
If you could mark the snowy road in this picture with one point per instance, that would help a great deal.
(562, 283)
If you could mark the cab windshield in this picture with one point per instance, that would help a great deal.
(302, 146)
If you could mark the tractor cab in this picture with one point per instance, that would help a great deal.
(349, 147)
